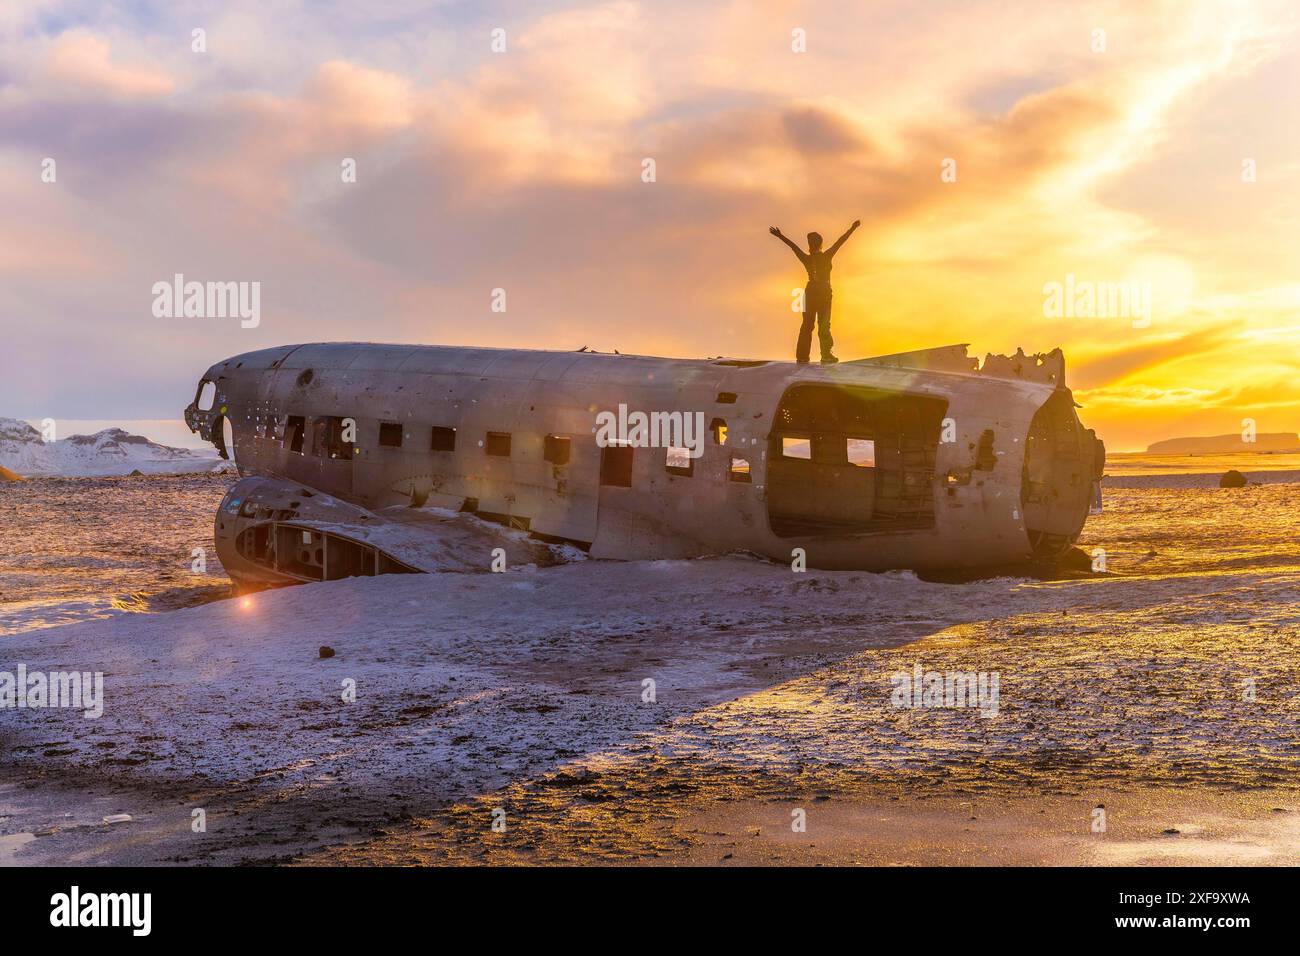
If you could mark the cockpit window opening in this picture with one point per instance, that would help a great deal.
(207, 395)
(227, 448)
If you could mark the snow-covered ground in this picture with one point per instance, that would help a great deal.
(526, 692)
(111, 451)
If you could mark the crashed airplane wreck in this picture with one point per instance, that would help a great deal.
(355, 459)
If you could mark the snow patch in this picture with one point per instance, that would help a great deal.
(112, 451)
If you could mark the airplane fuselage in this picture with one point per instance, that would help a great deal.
(920, 460)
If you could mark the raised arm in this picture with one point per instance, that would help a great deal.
(840, 241)
(793, 248)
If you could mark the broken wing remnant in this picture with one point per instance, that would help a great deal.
(923, 460)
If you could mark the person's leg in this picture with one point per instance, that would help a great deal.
(804, 345)
(824, 329)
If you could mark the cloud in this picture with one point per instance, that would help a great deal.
(522, 170)
(76, 65)
(1146, 355)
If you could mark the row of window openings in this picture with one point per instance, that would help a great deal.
(615, 466)
(616, 463)
(830, 449)
(329, 432)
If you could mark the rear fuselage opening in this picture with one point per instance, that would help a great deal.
(1063, 460)
(850, 459)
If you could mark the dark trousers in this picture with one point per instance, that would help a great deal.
(817, 308)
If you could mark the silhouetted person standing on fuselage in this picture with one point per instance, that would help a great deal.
(817, 293)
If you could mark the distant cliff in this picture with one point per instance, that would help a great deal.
(1226, 445)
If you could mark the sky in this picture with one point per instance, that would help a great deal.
(991, 151)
